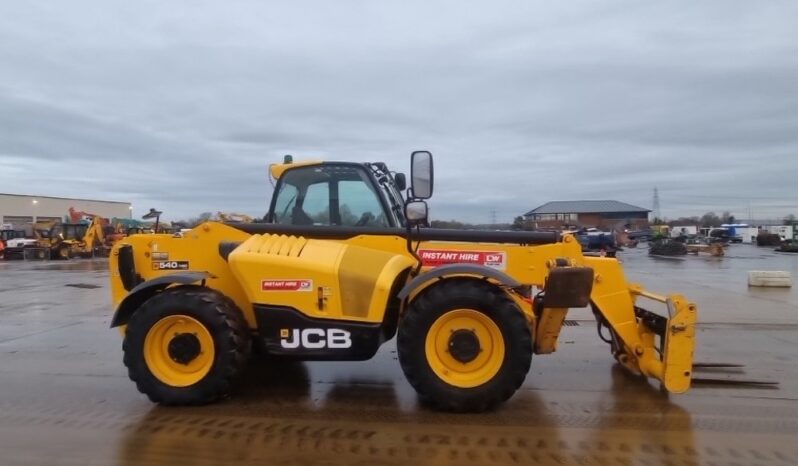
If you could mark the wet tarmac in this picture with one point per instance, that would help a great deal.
(65, 397)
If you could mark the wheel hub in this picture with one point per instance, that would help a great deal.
(464, 345)
(184, 348)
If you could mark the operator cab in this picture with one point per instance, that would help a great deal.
(346, 194)
(338, 194)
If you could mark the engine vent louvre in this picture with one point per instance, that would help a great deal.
(279, 245)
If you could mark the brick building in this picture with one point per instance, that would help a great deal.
(587, 214)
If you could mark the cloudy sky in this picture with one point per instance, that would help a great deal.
(182, 106)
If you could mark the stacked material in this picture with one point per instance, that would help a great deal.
(768, 239)
(770, 278)
(666, 247)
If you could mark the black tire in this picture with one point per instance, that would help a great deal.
(62, 253)
(476, 295)
(226, 325)
(35, 253)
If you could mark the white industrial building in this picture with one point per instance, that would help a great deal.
(683, 230)
(784, 231)
(21, 211)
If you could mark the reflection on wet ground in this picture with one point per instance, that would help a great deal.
(65, 399)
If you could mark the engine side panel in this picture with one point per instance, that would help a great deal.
(320, 278)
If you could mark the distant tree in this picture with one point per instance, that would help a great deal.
(518, 223)
(347, 217)
(194, 221)
(321, 217)
(727, 217)
(449, 224)
(529, 225)
(685, 221)
(789, 219)
(657, 221)
(710, 219)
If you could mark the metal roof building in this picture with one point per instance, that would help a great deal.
(583, 207)
(20, 211)
(588, 213)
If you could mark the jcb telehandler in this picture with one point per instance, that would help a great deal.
(341, 265)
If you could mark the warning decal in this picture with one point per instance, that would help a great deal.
(286, 285)
(434, 258)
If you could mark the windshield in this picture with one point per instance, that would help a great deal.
(329, 194)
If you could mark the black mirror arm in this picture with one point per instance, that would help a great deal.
(409, 226)
(414, 250)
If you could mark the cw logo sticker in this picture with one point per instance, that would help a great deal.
(315, 338)
(286, 285)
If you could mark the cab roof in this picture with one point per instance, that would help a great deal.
(277, 169)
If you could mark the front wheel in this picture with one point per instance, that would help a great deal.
(186, 345)
(464, 345)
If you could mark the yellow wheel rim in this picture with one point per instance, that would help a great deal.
(475, 371)
(171, 364)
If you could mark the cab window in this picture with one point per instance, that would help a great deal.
(360, 205)
(328, 194)
(286, 201)
(317, 203)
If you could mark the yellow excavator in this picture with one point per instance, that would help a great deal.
(342, 265)
(92, 243)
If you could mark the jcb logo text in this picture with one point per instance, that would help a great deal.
(315, 338)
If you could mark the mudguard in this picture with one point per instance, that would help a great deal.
(144, 291)
(458, 269)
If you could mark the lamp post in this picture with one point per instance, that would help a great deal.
(130, 207)
(35, 202)
(156, 214)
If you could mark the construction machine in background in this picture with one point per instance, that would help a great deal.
(79, 216)
(48, 242)
(341, 266)
(7, 233)
(234, 217)
(53, 240)
(127, 226)
(93, 241)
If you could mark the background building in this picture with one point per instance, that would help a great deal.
(587, 214)
(22, 210)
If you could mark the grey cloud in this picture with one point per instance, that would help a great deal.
(182, 107)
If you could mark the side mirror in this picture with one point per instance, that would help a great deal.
(401, 181)
(416, 213)
(421, 174)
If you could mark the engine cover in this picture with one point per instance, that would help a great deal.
(320, 278)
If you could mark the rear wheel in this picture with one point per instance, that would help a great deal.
(62, 253)
(464, 345)
(34, 252)
(186, 345)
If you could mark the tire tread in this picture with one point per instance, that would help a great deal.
(220, 312)
(413, 332)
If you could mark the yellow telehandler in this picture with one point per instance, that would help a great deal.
(343, 265)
